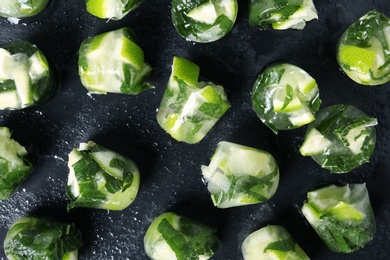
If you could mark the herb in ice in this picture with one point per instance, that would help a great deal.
(111, 9)
(173, 237)
(239, 175)
(285, 97)
(281, 14)
(21, 8)
(204, 20)
(189, 109)
(42, 239)
(113, 62)
(340, 139)
(101, 178)
(26, 77)
(364, 49)
(272, 242)
(15, 164)
(341, 216)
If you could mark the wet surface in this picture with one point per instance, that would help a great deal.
(170, 171)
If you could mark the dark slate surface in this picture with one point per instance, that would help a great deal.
(170, 171)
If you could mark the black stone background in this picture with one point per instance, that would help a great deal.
(170, 170)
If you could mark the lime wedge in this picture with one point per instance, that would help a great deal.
(185, 70)
(210, 94)
(70, 255)
(315, 143)
(286, 100)
(5, 64)
(97, 7)
(328, 193)
(357, 58)
(96, 43)
(277, 253)
(104, 158)
(22, 82)
(204, 13)
(302, 119)
(311, 214)
(306, 87)
(38, 66)
(226, 7)
(9, 99)
(132, 53)
(170, 121)
(343, 211)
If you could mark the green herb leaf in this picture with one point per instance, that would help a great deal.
(281, 245)
(176, 241)
(41, 238)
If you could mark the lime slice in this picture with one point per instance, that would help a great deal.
(185, 70)
(356, 138)
(226, 7)
(329, 192)
(204, 13)
(96, 43)
(5, 64)
(9, 99)
(38, 66)
(210, 94)
(132, 53)
(343, 211)
(104, 158)
(307, 85)
(97, 7)
(74, 156)
(286, 100)
(70, 255)
(315, 143)
(310, 213)
(277, 253)
(302, 119)
(170, 121)
(22, 82)
(357, 58)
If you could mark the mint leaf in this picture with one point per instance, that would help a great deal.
(281, 245)
(176, 241)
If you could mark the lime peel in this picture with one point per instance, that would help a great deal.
(357, 58)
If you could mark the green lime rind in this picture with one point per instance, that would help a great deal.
(342, 216)
(185, 70)
(345, 138)
(281, 15)
(363, 51)
(285, 97)
(204, 21)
